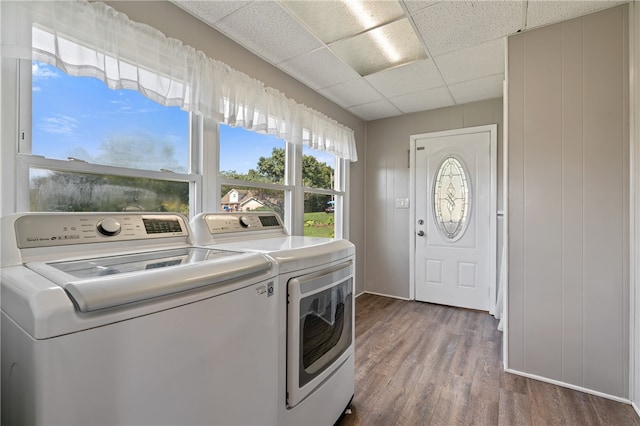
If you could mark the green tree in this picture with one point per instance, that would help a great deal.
(315, 174)
(232, 174)
(272, 167)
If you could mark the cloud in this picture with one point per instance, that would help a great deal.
(43, 71)
(58, 124)
(36, 89)
(128, 109)
(127, 106)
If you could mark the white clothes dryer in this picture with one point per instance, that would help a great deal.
(315, 294)
(115, 318)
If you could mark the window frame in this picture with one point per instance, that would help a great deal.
(294, 191)
(339, 193)
(25, 160)
(204, 165)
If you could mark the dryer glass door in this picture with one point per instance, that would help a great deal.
(320, 328)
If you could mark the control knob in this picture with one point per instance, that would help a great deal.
(109, 227)
(244, 222)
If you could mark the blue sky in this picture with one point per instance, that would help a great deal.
(72, 116)
(75, 116)
(240, 149)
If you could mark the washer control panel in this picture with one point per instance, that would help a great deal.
(223, 223)
(44, 230)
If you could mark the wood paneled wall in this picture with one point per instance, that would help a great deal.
(387, 177)
(568, 209)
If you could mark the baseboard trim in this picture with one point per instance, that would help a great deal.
(570, 386)
(635, 407)
(384, 295)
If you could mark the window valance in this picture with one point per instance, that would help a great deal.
(93, 39)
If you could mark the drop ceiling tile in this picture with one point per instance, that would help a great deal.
(208, 11)
(334, 20)
(375, 110)
(352, 93)
(453, 25)
(472, 62)
(424, 100)
(319, 69)
(269, 31)
(416, 76)
(547, 12)
(415, 5)
(476, 90)
(384, 47)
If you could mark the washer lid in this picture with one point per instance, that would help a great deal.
(301, 256)
(293, 253)
(104, 282)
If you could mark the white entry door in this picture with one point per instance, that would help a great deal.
(455, 209)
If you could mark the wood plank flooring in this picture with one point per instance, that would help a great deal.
(424, 364)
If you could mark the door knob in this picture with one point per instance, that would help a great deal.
(420, 233)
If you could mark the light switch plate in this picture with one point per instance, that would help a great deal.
(402, 203)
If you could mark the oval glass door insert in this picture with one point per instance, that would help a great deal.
(451, 198)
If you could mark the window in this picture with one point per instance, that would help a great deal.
(451, 198)
(51, 190)
(103, 150)
(97, 149)
(80, 117)
(256, 174)
(88, 144)
(248, 158)
(319, 180)
(251, 156)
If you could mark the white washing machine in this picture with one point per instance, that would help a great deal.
(315, 294)
(116, 318)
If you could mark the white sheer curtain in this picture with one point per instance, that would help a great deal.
(93, 39)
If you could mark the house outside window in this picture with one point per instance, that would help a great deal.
(244, 201)
(263, 173)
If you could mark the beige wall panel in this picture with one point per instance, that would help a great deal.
(568, 223)
(572, 203)
(605, 203)
(386, 173)
(515, 217)
(176, 23)
(542, 202)
(387, 177)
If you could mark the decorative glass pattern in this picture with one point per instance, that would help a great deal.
(451, 198)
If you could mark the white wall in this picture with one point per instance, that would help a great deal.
(634, 60)
(387, 177)
(569, 202)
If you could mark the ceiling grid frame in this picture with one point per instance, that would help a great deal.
(376, 95)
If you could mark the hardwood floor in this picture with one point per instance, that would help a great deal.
(424, 364)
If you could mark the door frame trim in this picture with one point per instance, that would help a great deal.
(493, 152)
